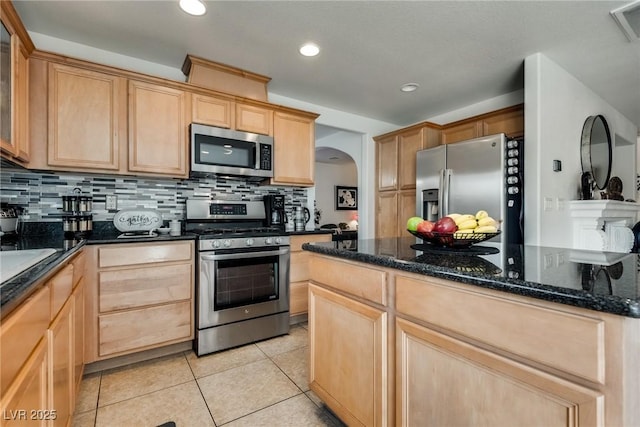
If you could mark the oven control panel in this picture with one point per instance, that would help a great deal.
(242, 242)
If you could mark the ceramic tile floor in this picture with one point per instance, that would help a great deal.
(261, 384)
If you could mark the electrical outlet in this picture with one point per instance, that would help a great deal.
(548, 261)
(111, 202)
(547, 204)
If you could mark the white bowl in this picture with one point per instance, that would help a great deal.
(163, 230)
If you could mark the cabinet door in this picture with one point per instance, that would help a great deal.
(508, 122)
(445, 382)
(26, 402)
(78, 335)
(294, 148)
(406, 209)
(461, 132)
(61, 354)
(210, 110)
(346, 336)
(387, 215)
(387, 162)
(408, 145)
(253, 118)
(158, 129)
(14, 112)
(85, 110)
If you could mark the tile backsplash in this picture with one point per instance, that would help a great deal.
(40, 193)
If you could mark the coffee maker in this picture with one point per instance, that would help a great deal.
(274, 210)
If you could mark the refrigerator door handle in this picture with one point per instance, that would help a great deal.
(445, 185)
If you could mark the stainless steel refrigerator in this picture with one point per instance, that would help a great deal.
(464, 177)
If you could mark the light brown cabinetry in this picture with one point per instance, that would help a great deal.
(254, 118)
(508, 120)
(158, 123)
(348, 341)
(497, 391)
(86, 124)
(396, 171)
(40, 342)
(299, 272)
(61, 364)
(459, 358)
(135, 287)
(14, 87)
(212, 110)
(294, 149)
(347, 336)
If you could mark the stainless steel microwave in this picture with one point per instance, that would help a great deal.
(221, 151)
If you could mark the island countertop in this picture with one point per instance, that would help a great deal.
(602, 281)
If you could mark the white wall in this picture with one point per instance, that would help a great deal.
(556, 106)
(327, 177)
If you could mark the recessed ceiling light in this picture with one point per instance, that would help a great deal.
(193, 7)
(309, 49)
(409, 87)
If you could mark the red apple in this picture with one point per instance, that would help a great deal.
(445, 225)
(425, 227)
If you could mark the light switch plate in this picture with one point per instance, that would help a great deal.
(111, 202)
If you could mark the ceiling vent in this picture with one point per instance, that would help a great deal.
(628, 18)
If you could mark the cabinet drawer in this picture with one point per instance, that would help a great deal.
(569, 342)
(138, 287)
(21, 332)
(119, 255)
(61, 286)
(78, 267)
(363, 282)
(146, 328)
(299, 301)
(296, 242)
(299, 270)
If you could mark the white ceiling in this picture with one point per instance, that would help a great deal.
(459, 52)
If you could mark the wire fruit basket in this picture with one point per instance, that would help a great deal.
(454, 240)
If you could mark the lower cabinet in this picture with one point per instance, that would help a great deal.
(299, 272)
(61, 364)
(388, 347)
(348, 363)
(41, 346)
(27, 401)
(140, 296)
(442, 381)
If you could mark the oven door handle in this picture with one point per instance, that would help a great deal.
(221, 257)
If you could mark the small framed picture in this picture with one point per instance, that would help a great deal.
(346, 198)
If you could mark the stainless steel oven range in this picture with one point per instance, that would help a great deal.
(242, 284)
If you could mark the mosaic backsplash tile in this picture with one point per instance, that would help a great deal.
(41, 193)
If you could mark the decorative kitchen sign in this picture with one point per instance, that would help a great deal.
(346, 198)
(128, 220)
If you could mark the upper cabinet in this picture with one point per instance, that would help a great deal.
(213, 111)
(15, 48)
(86, 118)
(254, 118)
(158, 124)
(396, 175)
(508, 120)
(294, 148)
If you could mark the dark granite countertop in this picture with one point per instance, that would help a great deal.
(50, 235)
(601, 281)
(317, 231)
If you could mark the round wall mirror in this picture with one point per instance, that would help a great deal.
(596, 151)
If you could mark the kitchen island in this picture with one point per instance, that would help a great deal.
(517, 336)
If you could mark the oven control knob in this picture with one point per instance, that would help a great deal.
(278, 240)
(249, 242)
(227, 243)
(215, 243)
(268, 241)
